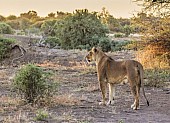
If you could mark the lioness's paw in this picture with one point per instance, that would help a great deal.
(110, 102)
(133, 106)
(102, 103)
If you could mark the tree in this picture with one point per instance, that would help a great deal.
(5, 28)
(51, 15)
(2, 18)
(156, 7)
(155, 28)
(15, 24)
(29, 14)
(104, 15)
(113, 24)
(62, 15)
(24, 23)
(48, 27)
(11, 17)
(127, 29)
(79, 29)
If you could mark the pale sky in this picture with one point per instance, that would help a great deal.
(117, 8)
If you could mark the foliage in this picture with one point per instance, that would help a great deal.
(25, 23)
(156, 37)
(11, 17)
(37, 24)
(34, 84)
(157, 77)
(53, 41)
(15, 24)
(156, 7)
(132, 45)
(127, 29)
(41, 115)
(119, 45)
(105, 44)
(154, 23)
(80, 29)
(48, 27)
(119, 35)
(29, 15)
(5, 28)
(2, 18)
(5, 47)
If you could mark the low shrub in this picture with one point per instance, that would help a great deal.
(105, 44)
(33, 84)
(119, 35)
(119, 45)
(53, 41)
(84, 47)
(5, 28)
(41, 115)
(157, 77)
(5, 47)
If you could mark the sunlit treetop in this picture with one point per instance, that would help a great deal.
(156, 7)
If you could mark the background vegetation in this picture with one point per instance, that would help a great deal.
(5, 47)
(34, 85)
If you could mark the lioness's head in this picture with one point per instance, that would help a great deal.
(91, 56)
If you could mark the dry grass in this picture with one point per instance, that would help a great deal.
(19, 117)
(150, 60)
(66, 100)
(3, 74)
(8, 103)
(88, 70)
(91, 87)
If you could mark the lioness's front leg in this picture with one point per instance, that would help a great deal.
(103, 90)
(111, 94)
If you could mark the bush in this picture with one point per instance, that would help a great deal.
(34, 84)
(119, 45)
(105, 44)
(41, 115)
(119, 35)
(84, 47)
(5, 28)
(80, 28)
(5, 47)
(53, 41)
(157, 77)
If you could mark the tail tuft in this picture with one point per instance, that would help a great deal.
(147, 102)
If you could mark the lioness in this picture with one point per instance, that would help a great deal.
(113, 72)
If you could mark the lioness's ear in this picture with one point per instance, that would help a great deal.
(94, 49)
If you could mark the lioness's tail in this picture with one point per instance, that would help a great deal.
(141, 74)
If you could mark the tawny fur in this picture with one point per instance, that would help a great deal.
(113, 72)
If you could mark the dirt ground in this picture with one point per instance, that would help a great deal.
(78, 93)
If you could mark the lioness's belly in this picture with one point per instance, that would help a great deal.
(116, 80)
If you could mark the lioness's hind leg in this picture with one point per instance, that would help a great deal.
(111, 94)
(135, 92)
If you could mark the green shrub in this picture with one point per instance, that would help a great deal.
(41, 115)
(119, 35)
(34, 84)
(53, 41)
(5, 47)
(84, 47)
(131, 45)
(105, 44)
(5, 28)
(157, 77)
(119, 45)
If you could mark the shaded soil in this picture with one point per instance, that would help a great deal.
(78, 93)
